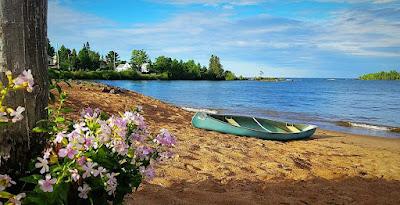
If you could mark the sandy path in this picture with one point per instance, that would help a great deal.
(214, 168)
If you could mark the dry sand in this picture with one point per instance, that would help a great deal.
(214, 168)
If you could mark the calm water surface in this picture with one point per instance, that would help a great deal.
(372, 106)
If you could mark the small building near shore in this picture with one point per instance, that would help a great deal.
(123, 67)
(145, 68)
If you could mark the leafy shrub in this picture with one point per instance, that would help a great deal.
(95, 160)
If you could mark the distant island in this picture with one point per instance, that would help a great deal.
(269, 79)
(391, 75)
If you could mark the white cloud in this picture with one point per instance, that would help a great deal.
(249, 42)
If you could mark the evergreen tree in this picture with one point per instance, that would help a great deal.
(215, 68)
(50, 49)
(84, 58)
(63, 55)
(110, 57)
(74, 61)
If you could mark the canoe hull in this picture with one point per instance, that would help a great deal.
(204, 121)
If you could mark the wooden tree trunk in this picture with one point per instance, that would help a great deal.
(23, 46)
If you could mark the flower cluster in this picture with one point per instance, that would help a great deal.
(23, 81)
(5, 182)
(102, 158)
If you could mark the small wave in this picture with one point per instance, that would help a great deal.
(200, 110)
(366, 126)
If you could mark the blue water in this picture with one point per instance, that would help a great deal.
(371, 105)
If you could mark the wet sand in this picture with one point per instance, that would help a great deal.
(215, 168)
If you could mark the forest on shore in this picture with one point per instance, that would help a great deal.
(89, 64)
(390, 75)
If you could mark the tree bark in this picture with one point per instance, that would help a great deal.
(23, 46)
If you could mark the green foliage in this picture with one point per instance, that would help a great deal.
(106, 75)
(162, 64)
(110, 58)
(229, 75)
(215, 68)
(50, 49)
(86, 63)
(391, 75)
(139, 57)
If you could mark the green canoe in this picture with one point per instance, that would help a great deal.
(252, 127)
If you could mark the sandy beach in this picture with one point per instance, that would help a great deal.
(215, 168)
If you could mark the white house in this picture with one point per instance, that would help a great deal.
(145, 68)
(122, 67)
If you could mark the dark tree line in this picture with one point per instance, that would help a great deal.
(89, 60)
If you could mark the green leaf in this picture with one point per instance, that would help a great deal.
(59, 90)
(59, 120)
(66, 110)
(39, 130)
(33, 179)
(61, 193)
(5, 195)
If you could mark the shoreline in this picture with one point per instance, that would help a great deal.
(325, 120)
(215, 168)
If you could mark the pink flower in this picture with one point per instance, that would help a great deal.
(89, 113)
(74, 174)
(165, 138)
(47, 153)
(25, 77)
(69, 151)
(89, 143)
(165, 155)
(47, 184)
(137, 137)
(60, 136)
(111, 184)
(80, 127)
(143, 151)
(16, 200)
(43, 163)
(121, 148)
(88, 167)
(100, 171)
(81, 160)
(148, 172)
(5, 181)
(83, 191)
(17, 114)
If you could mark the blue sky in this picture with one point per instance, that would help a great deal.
(294, 38)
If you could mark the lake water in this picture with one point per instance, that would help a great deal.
(371, 106)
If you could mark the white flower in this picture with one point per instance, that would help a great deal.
(5, 181)
(60, 136)
(43, 163)
(16, 200)
(17, 114)
(80, 127)
(46, 154)
(111, 184)
(83, 191)
(75, 175)
(100, 171)
(3, 117)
